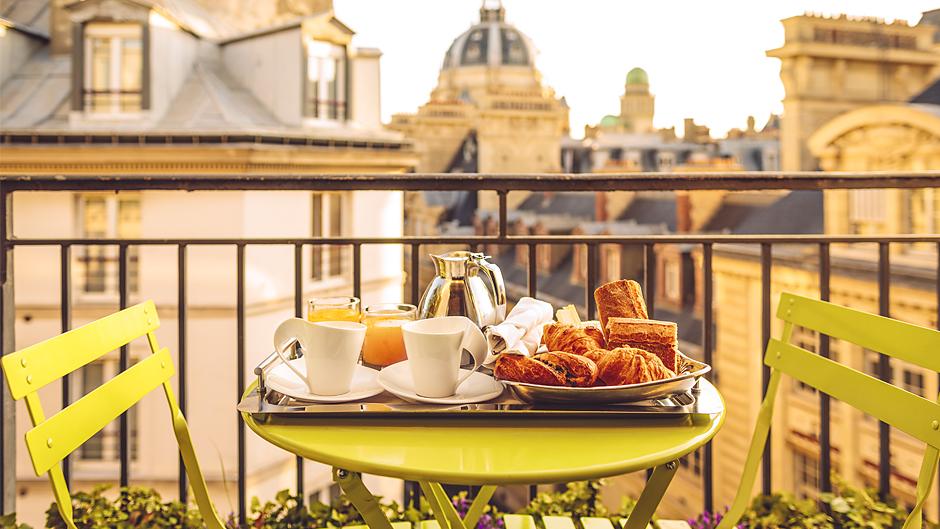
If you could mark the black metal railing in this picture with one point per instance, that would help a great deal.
(502, 185)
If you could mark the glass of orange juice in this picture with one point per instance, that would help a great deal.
(333, 309)
(384, 344)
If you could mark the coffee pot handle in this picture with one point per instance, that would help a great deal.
(499, 295)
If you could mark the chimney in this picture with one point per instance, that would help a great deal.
(683, 212)
(600, 206)
(60, 28)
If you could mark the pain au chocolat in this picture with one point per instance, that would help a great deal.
(620, 299)
(555, 368)
(657, 337)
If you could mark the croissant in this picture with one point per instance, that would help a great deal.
(519, 368)
(571, 338)
(577, 370)
(626, 365)
(657, 337)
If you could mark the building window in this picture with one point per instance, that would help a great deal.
(807, 339)
(805, 475)
(325, 90)
(475, 50)
(867, 210)
(692, 462)
(107, 216)
(672, 280)
(113, 79)
(514, 50)
(328, 217)
(105, 445)
(913, 381)
(923, 213)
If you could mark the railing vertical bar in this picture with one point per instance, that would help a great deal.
(298, 313)
(65, 312)
(240, 374)
(825, 457)
(123, 361)
(357, 271)
(591, 279)
(649, 277)
(7, 344)
(766, 257)
(503, 215)
(533, 271)
(884, 370)
(937, 286)
(415, 273)
(708, 496)
(181, 346)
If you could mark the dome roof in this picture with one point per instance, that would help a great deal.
(637, 76)
(490, 42)
(610, 121)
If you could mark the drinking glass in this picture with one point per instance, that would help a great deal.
(333, 309)
(384, 344)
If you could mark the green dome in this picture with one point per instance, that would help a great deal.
(610, 121)
(637, 76)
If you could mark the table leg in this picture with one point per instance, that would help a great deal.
(361, 498)
(446, 514)
(651, 496)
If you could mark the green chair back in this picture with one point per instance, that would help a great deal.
(910, 413)
(52, 439)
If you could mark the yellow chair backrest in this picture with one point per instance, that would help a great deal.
(910, 413)
(52, 439)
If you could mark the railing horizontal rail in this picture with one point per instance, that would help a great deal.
(495, 239)
(737, 181)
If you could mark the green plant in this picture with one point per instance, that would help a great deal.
(580, 498)
(782, 511)
(8, 521)
(134, 507)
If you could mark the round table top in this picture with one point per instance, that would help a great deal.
(479, 451)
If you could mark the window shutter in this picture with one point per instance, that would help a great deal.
(78, 66)
(145, 67)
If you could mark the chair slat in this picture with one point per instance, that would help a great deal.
(591, 522)
(519, 521)
(904, 341)
(58, 436)
(558, 522)
(31, 368)
(910, 413)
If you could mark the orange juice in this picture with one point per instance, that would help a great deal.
(384, 344)
(333, 309)
(333, 315)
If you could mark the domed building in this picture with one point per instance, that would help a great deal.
(637, 105)
(490, 111)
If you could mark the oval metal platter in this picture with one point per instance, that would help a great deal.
(689, 373)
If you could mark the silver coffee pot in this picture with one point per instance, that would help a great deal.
(458, 289)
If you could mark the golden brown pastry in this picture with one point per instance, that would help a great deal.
(578, 370)
(627, 365)
(519, 368)
(620, 299)
(657, 337)
(571, 338)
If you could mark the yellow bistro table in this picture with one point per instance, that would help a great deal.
(489, 452)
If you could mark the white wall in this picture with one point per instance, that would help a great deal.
(15, 49)
(172, 54)
(270, 67)
(366, 88)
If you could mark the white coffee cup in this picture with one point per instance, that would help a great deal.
(331, 352)
(435, 346)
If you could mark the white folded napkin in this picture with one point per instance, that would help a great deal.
(521, 331)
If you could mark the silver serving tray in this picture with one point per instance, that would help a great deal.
(699, 399)
(689, 372)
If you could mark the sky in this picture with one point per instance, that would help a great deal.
(705, 59)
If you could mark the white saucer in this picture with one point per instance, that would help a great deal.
(397, 380)
(281, 379)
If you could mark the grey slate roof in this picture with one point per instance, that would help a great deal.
(653, 207)
(33, 14)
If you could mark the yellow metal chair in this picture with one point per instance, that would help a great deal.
(910, 413)
(52, 439)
